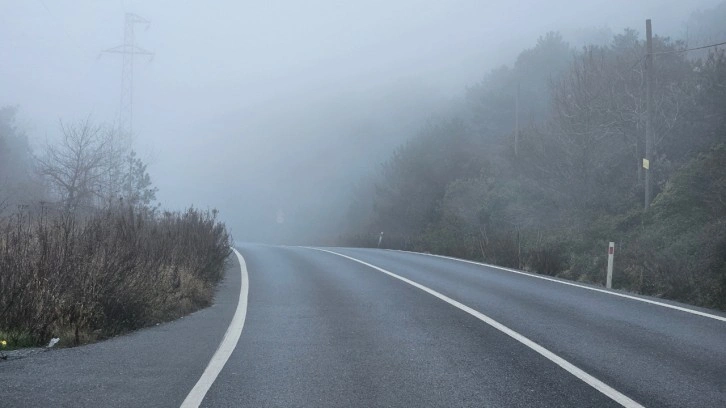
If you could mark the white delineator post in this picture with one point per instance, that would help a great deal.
(380, 239)
(611, 255)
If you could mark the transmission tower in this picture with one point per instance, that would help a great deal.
(129, 50)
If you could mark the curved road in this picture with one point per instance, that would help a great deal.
(363, 328)
(324, 330)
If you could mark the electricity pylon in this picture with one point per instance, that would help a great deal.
(129, 50)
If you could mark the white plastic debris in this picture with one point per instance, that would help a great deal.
(53, 342)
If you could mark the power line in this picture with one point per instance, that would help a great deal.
(63, 28)
(642, 57)
(690, 49)
(44, 5)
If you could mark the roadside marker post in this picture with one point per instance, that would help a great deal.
(611, 255)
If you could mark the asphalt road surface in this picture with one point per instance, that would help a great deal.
(393, 329)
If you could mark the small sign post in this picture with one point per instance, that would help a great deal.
(611, 255)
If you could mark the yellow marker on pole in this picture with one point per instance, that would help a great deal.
(646, 164)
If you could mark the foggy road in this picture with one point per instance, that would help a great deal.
(324, 330)
(402, 329)
(166, 169)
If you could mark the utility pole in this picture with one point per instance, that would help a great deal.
(650, 83)
(128, 50)
(516, 122)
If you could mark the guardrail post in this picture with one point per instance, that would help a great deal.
(611, 255)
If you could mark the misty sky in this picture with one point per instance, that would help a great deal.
(268, 106)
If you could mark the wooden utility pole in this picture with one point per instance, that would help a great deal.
(650, 83)
(516, 122)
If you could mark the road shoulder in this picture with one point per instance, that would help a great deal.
(156, 366)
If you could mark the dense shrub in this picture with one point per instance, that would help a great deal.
(106, 273)
(548, 259)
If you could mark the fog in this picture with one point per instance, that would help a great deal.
(273, 111)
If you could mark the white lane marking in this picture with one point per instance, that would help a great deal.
(572, 369)
(532, 275)
(226, 347)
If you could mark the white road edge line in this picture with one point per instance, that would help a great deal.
(569, 367)
(532, 275)
(226, 347)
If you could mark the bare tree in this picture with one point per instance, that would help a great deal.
(595, 136)
(84, 167)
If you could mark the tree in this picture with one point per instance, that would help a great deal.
(414, 180)
(711, 99)
(83, 168)
(16, 181)
(491, 103)
(594, 140)
(137, 186)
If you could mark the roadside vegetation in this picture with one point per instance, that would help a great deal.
(84, 252)
(540, 167)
